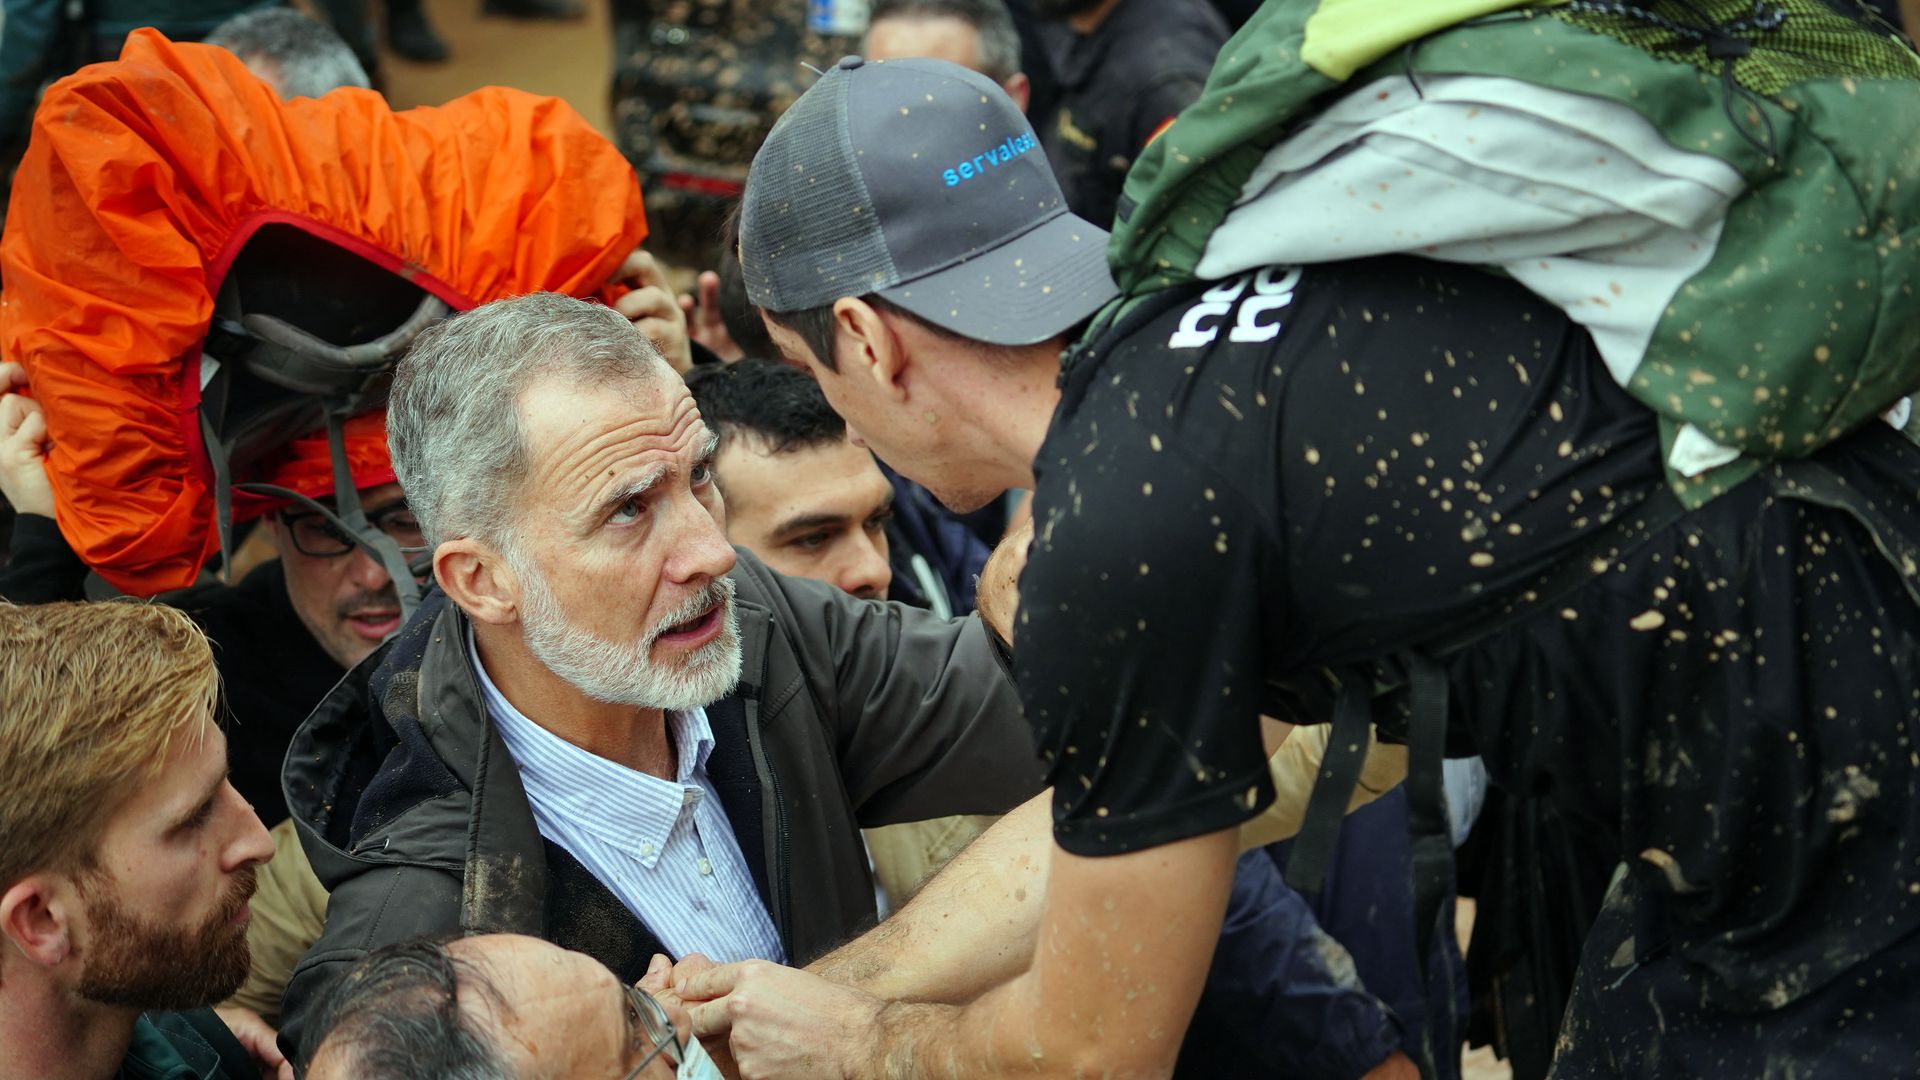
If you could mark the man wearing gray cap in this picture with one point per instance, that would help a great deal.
(941, 279)
(1383, 490)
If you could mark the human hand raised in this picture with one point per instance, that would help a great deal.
(23, 445)
(653, 309)
(783, 1022)
(702, 309)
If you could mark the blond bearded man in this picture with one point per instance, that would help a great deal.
(126, 858)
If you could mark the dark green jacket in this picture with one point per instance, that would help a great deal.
(191, 1045)
(849, 714)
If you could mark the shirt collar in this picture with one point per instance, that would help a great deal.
(605, 797)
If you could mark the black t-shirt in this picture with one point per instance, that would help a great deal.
(1281, 471)
(1249, 481)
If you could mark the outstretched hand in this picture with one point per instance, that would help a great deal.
(702, 309)
(783, 1022)
(23, 445)
(653, 309)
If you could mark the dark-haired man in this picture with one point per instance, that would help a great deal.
(1247, 485)
(496, 1005)
(799, 494)
(1283, 996)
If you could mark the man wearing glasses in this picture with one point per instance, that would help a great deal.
(496, 1005)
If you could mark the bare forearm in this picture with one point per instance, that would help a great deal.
(973, 927)
(970, 929)
(1127, 941)
(1010, 1030)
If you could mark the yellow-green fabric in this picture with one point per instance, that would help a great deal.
(1343, 36)
(906, 855)
(1802, 326)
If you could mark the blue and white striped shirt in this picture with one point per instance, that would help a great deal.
(664, 847)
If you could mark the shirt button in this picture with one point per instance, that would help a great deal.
(689, 796)
(706, 867)
(646, 849)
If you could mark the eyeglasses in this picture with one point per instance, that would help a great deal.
(647, 1020)
(316, 537)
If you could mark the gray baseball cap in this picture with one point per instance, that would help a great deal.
(920, 181)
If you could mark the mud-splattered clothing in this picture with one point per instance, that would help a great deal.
(1252, 480)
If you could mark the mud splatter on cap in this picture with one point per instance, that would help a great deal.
(921, 181)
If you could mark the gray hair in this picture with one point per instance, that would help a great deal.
(454, 423)
(999, 41)
(396, 1014)
(308, 56)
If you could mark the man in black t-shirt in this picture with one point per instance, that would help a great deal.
(1417, 479)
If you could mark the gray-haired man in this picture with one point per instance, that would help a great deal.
(291, 51)
(612, 730)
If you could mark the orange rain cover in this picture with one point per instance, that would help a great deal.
(145, 177)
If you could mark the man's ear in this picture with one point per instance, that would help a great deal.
(1019, 88)
(476, 576)
(33, 920)
(868, 346)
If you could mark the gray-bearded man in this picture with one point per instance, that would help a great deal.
(613, 730)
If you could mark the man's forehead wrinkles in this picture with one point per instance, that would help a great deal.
(590, 454)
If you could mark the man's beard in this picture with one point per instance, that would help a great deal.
(624, 673)
(129, 962)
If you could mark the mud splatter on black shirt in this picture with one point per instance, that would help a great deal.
(1254, 478)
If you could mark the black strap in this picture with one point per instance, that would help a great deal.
(1419, 670)
(347, 514)
(1431, 829)
(379, 544)
(222, 491)
(1339, 773)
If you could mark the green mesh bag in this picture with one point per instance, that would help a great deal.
(1801, 327)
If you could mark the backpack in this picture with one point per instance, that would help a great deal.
(195, 271)
(1719, 190)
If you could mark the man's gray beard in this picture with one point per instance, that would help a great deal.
(624, 673)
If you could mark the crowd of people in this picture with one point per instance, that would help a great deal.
(1070, 554)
